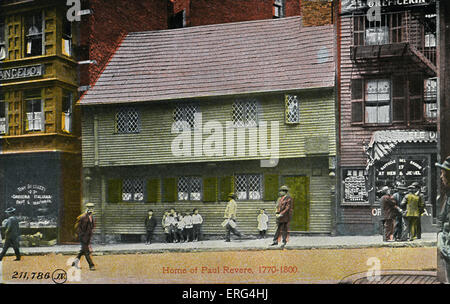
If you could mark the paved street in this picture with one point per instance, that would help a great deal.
(305, 260)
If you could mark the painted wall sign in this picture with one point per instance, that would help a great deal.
(35, 206)
(349, 6)
(22, 72)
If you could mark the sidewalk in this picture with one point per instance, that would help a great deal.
(295, 243)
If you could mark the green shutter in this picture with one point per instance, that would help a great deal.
(271, 185)
(210, 189)
(170, 189)
(114, 190)
(226, 186)
(152, 190)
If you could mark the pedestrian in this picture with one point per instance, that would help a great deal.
(230, 218)
(188, 227)
(443, 243)
(180, 228)
(150, 224)
(85, 225)
(389, 214)
(170, 222)
(12, 234)
(166, 225)
(197, 221)
(414, 204)
(421, 211)
(401, 228)
(262, 220)
(284, 210)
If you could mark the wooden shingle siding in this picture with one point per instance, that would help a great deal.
(153, 144)
(320, 208)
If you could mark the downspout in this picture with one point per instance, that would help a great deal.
(102, 179)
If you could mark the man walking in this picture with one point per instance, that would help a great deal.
(12, 234)
(285, 206)
(414, 204)
(85, 226)
(150, 224)
(389, 214)
(230, 217)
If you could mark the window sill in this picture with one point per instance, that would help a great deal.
(355, 204)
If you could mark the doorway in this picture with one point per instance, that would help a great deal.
(299, 190)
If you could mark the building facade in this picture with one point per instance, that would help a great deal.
(45, 59)
(226, 115)
(387, 80)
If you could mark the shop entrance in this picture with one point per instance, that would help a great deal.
(299, 190)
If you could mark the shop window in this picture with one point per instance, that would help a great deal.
(278, 8)
(185, 114)
(66, 119)
(430, 98)
(133, 190)
(355, 186)
(3, 51)
(387, 29)
(34, 45)
(245, 113)
(248, 187)
(292, 109)
(34, 111)
(189, 188)
(67, 37)
(127, 121)
(3, 111)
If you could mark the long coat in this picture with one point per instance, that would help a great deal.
(12, 229)
(285, 208)
(150, 223)
(86, 227)
(388, 205)
(414, 204)
(230, 210)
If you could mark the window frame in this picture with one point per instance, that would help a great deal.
(125, 110)
(69, 115)
(189, 179)
(33, 96)
(3, 43)
(245, 104)
(287, 111)
(27, 35)
(183, 108)
(395, 30)
(430, 98)
(133, 194)
(278, 6)
(247, 186)
(4, 119)
(67, 37)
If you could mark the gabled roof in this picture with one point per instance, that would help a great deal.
(217, 60)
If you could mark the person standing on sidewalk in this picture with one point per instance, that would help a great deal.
(285, 207)
(443, 241)
(262, 220)
(197, 221)
(389, 214)
(85, 225)
(399, 190)
(421, 211)
(150, 224)
(12, 234)
(230, 218)
(414, 204)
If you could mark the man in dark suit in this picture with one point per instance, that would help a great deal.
(150, 224)
(85, 226)
(12, 234)
(285, 207)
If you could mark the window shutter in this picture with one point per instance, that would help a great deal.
(114, 190)
(357, 101)
(226, 186)
(210, 189)
(271, 185)
(153, 190)
(398, 98)
(170, 189)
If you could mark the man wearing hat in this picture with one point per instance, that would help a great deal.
(401, 225)
(230, 217)
(285, 205)
(85, 226)
(414, 204)
(389, 214)
(12, 234)
(444, 217)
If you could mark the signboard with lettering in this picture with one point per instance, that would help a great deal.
(355, 186)
(22, 72)
(349, 6)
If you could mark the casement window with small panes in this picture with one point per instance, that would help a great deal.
(34, 38)
(133, 190)
(127, 121)
(184, 117)
(3, 116)
(386, 100)
(3, 50)
(245, 113)
(34, 107)
(66, 45)
(189, 188)
(292, 109)
(67, 111)
(248, 186)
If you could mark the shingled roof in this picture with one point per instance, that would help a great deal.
(217, 60)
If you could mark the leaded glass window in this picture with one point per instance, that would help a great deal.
(133, 190)
(292, 109)
(185, 113)
(128, 120)
(189, 188)
(245, 113)
(248, 187)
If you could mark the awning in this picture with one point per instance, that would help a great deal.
(383, 142)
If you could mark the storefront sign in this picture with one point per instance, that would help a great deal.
(349, 6)
(355, 186)
(22, 72)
